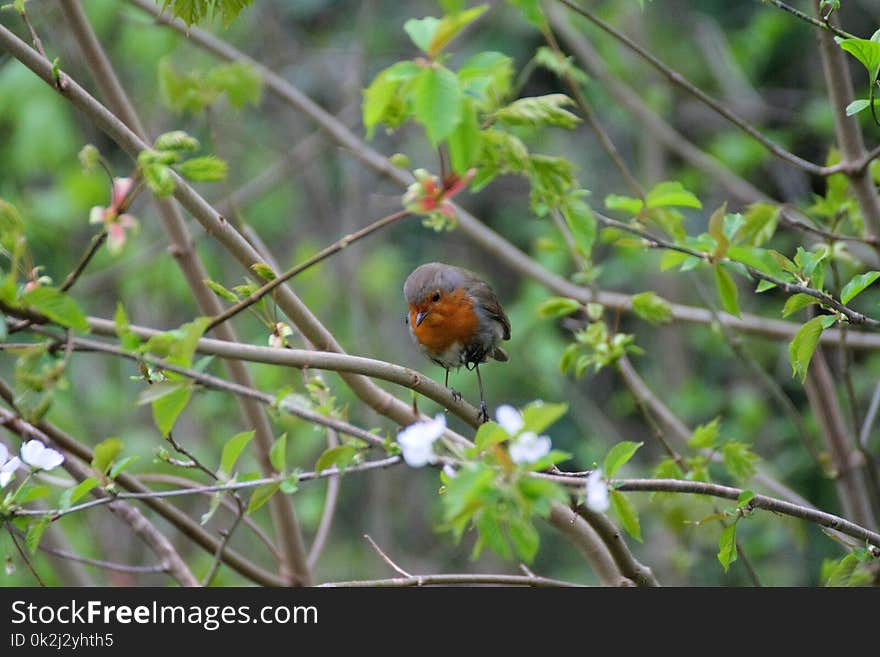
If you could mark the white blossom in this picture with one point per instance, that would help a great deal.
(8, 466)
(510, 419)
(449, 471)
(597, 492)
(528, 448)
(40, 457)
(417, 441)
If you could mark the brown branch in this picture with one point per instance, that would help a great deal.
(323, 254)
(294, 566)
(815, 22)
(677, 79)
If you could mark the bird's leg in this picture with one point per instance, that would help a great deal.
(484, 412)
(456, 395)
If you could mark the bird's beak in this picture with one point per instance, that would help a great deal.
(420, 317)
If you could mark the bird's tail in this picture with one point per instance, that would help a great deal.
(500, 354)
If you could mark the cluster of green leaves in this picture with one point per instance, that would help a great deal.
(470, 113)
(737, 463)
(853, 569)
(596, 345)
(173, 149)
(624, 509)
(196, 90)
(735, 242)
(196, 11)
(498, 498)
(39, 369)
(867, 52)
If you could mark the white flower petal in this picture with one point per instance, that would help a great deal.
(5, 478)
(4, 453)
(417, 441)
(509, 419)
(528, 448)
(597, 492)
(37, 455)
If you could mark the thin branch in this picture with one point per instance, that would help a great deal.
(294, 567)
(601, 134)
(24, 556)
(331, 498)
(815, 22)
(50, 434)
(386, 558)
(323, 254)
(870, 417)
(764, 502)
(174, 480)
(464, 579)
(629, 566)
(677, 79)
(227, 536)
(103, 565)
(54, 514)
(791, 288)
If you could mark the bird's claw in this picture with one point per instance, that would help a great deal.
(456, 395)
(483, 416)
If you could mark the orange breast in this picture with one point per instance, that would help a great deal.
(450, 320)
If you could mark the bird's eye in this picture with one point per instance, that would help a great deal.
(436, 297)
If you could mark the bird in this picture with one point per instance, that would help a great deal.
(455, 319)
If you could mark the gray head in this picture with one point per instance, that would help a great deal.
(431, 278)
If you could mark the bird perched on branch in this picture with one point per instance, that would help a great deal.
(455, 319)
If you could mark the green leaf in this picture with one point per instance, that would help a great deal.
(232, 450)
(525, 538)
(261, 495)
(72, 495)
(57, 306)
(727, 546)
(539, 111)
(104, 454)
(671, 194)
(760, 224)
(801, 348)
(212, 507)
(739, 459)
(538, 415)
(706, 435)
(489, 434)
(30, 493)
(491, 534)
(716, 230)
(11, 225)
(857, 285)
(618, 456)
(450, 26)
(127, 339)
(264, 271)
(727, 290)
(278, 453)
(238, 80)
(797, 302)
(867, 52)
(486, 78)
(121, 466)
(204, 169)
(464, 142)
(422, 31)
(437, 102)
(744, 498)
(341, 456)
(35, 533)
(624, 204)
(582, 224)
(651, 307)
(159, 178)
(177, 140)
(627, 514)
(221, 291)
(170, 405)
(558, 307)
(857, 106)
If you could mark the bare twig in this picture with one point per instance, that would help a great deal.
(464, 579)
(24, 557)
(385, 557)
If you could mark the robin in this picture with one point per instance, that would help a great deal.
(456, 319)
